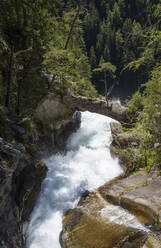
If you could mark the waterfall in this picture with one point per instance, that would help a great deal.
(86, 166)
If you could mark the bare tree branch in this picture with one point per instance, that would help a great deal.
(22, 51)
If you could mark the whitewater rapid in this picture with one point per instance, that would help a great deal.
(86, 166)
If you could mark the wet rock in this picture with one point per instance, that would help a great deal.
(133, 240)
(19, 147)
(88, 226)
(66, 130)
(28, 185)
(139, 193)
(11, 151)
(116, 128)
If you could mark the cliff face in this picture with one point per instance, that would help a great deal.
(10, 235)
(19, 187)
(20, 180)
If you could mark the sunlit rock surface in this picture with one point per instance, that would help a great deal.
(139, 193)
(110, 109)
(55, 120)
(95, 223)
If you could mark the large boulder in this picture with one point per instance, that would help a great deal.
(51, 110)
(62, 133)
(139, 193)
(55, 120)
(94, 223)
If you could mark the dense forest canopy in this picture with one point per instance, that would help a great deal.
(66, 42)
(127, 34)
(38, 38)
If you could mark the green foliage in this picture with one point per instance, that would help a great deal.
(70, 67)
(150, 117)
(106, 66)
(33, 35)
(126, 34)
(135, 105)
(151, 55)
(145, 110)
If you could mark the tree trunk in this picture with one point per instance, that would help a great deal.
(19, 91)
(71, 28)
(10, 78)
(105, 82)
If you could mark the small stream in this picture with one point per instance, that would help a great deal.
(86, 166)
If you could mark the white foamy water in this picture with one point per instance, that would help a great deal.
(121, 217)
(86, 166)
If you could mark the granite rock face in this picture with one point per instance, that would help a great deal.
(20, 184)
(110, 109)
(55, 120)
(10, 235)
(28, 185)
(139, 193)
(56, 117)
(62, 133)
(20, 179)
(89, 226)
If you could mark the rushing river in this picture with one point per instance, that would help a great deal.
(86, 166)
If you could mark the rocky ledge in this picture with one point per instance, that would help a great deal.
(94, 223)
(110, 109)
(55, 120)
(140, 189)
(138, 192)
(57, 116)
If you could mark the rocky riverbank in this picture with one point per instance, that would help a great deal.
(141, 188)
(95, 223)
(138, 193)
